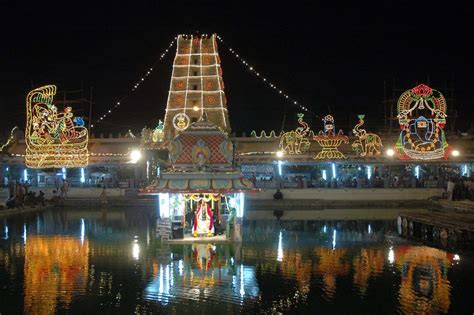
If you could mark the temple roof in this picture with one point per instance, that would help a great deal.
(188, 182)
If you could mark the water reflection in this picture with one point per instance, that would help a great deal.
(104, 263)
(55, 270)
(201, 272)
(424, 287)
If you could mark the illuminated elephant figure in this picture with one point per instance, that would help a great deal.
(367, 144)
(296, 141)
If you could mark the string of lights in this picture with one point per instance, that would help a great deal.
(136, 85)
(264, 79)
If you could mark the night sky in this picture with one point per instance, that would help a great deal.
(331, 59)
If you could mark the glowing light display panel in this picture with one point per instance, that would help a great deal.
(422, 118)
(53, 138)
(367, 143)
(296, 141)
(330, 141)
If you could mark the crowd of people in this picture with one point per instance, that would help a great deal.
(460, 188)
(20, 195)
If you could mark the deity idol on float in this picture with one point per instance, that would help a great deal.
(203, 220)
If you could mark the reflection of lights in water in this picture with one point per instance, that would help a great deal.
(325, 228)
(456, 257)
(334, 239)
(242, 291)
(83, 230)
(280, 248)
(24, 233)
(180, 267)
(136, 250)
(369, 229)
(6, 232)
(391, 255)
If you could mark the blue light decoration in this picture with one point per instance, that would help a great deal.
(64, 173)
(6, 232)
(83, 177)
(334, 239)
(83, 230)
(325, 228)
(164, 205)
(79, 121)
(279, 167)
(334, 175)
(25, 175)
(280, 248)
(369, 229)
(325, 176)
(239, 199)
(369, 172)
(465, 170)
(24, 233)
(417, 172)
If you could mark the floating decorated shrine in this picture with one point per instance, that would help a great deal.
(202, 186)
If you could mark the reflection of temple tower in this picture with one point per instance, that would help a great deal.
(196, 85)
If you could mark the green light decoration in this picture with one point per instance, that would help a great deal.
(367, 143)
(296, 141)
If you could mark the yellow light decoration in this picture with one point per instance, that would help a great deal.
(56, 267)
(329, 141)
(367, 144)
(181, 121)
(296, 141)
(52, 138)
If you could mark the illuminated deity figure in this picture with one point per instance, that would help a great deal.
(296, 141)
(203, 220)
(329, 141)
(158, 133)
(53, 139)
(367, 144)
(422, 118)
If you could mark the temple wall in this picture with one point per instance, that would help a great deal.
(351, 194)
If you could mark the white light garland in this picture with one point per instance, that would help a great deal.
(136, 85)
(265, 80)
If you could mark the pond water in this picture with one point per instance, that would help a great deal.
(97, 261)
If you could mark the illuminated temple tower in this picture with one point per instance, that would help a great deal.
(196, 85)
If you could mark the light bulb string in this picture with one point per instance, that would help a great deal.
(136, 85)
(264, 79)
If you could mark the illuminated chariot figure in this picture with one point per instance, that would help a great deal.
(53, 138)
(201, 184)
(330, 141)
(422, 118)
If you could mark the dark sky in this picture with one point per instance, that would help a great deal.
(330, 58)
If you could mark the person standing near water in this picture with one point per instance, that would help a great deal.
(103, 197)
